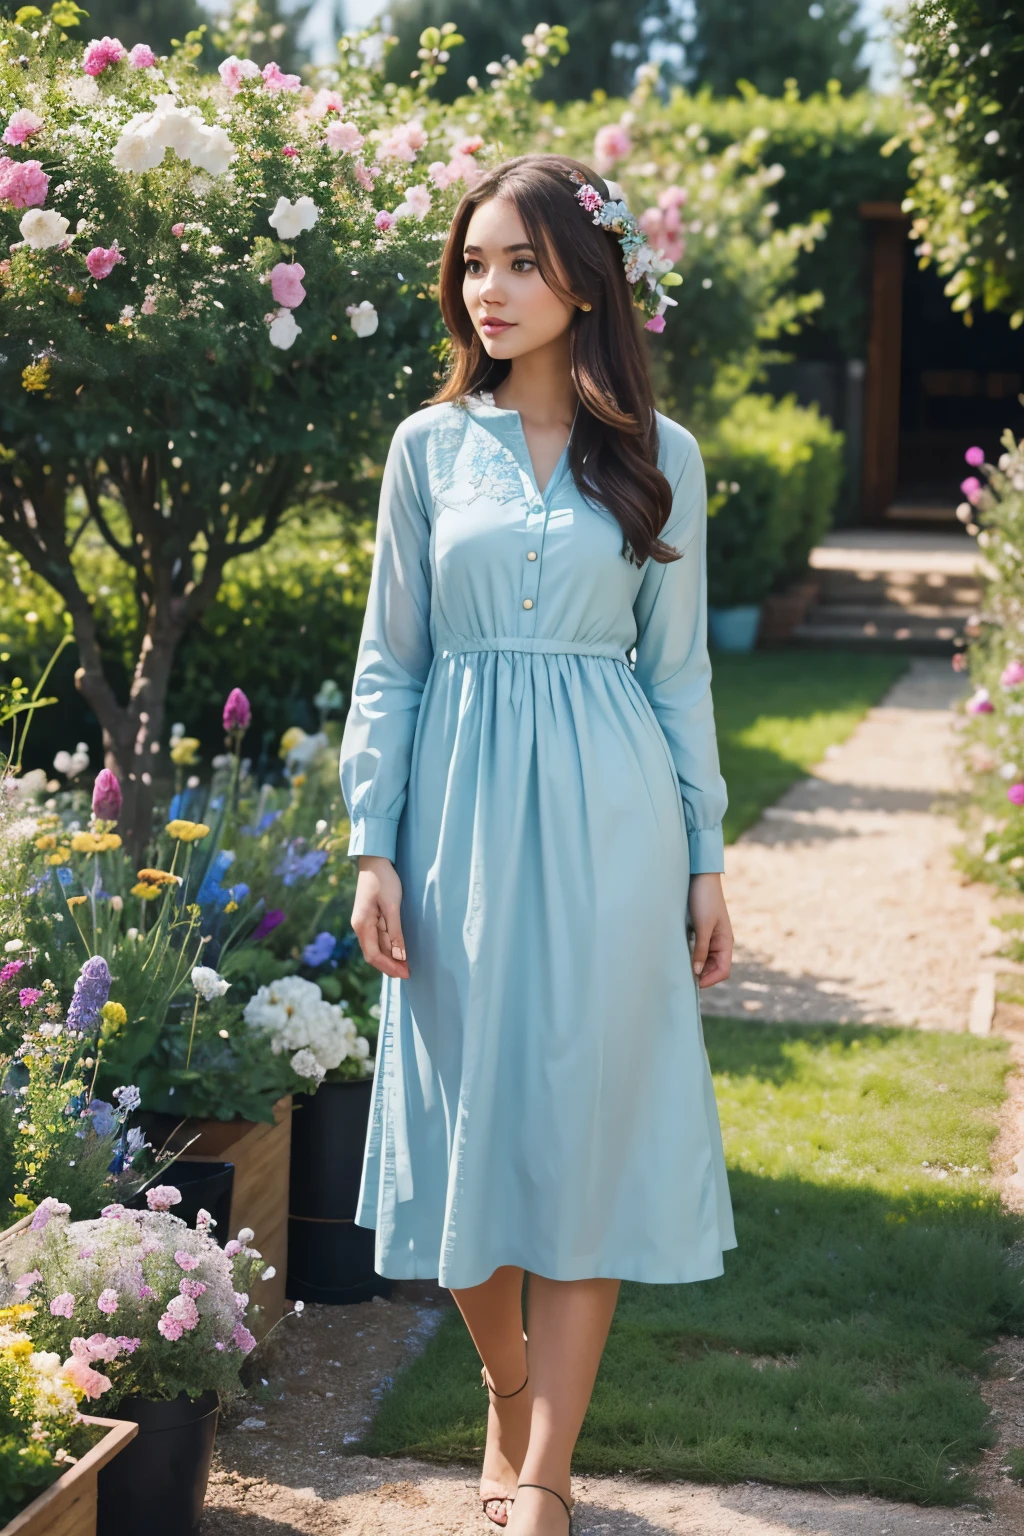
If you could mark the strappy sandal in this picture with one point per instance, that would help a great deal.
(567, 1505)
(508, 1499)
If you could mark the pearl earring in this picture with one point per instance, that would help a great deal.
(585, 308)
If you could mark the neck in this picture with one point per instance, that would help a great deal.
(539, 385)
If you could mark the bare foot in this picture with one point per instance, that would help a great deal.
(508, 1435)
(538, 1513)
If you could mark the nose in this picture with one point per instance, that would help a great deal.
(491, 290)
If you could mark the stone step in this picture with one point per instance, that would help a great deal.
(878, 628)
(903, 589)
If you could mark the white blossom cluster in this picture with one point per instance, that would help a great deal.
(299, 1019)
(146, 138)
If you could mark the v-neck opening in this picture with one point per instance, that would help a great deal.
(486, 396)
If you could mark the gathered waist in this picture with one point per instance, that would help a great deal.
(542, 647)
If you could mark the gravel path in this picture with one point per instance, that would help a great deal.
(843, 898)
(847, 909)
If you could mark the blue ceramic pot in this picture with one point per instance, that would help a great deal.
(734, 629)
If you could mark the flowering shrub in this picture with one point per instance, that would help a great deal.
(40, 1432)
(140, 1303)
(297, 1017)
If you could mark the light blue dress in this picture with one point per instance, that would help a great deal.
(541, 1095)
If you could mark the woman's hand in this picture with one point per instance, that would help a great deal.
(376, 916)
(712, 948)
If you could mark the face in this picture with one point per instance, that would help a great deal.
(511, 306)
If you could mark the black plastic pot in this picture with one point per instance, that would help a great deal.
(157, 1485)
(330, 1259)
(203, 1186)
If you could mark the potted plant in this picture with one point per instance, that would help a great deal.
(151, 1318)
(49, 1454)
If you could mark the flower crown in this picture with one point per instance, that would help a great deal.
(647, 273)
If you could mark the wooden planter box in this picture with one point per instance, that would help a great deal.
(68, 1507)
(261, 1155)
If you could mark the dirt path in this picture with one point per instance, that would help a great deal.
(843, 897)
(848, 909)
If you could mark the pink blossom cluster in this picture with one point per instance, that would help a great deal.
(102, 261)
(243, 1338)
(274, 80)
(980, 703)
(286, 286)
(78, 1368)
(10, 970)
(404, 142)
(107, 1301)
(972, 489)
(461, 167)
(1012, 675)
(162, 1196)
(23, 183)
(235, 71)
(22, 125)
(611, 143)
(322, 103)
(45, 1211)
(185, 1260)
(344, 138)
(142, 57)
(663, 224)
(101, 53)
(29, 996)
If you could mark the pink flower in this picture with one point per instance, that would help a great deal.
(62, 1305)
(162, 1196)
(364, 174)
(185, 1260)
(80, 1373)
(114, 1211)
(23, 124)
(23, 183)
(589, 198)
(384, 221)
(344, 138)
(1012, 675)
(274, 80)
(96, 1347)
(237, 713)
(959, 662)
(611, 143)
(86, 1253)
(184, 1310)
(149, 305)
(101, 53)
(106, 796)
(107, 1302)
(45, 1211)
(324, 102)
(972, 489)
(178, 230)
(233, 71)
(191, 1288)
(29, 996)
(129, 1345)
(145, 1293)
(975, 457)
(219, 1345)
(101, 262)
(27, 1281)
(169, 1326)
(463, 168)
(438, 173)
(267, 923)
(419, 200)
(979, 703)
(403, 142)
(661, 229)
(241, 1300)
(142, 57)
(469, 146)
(656, 324)
(290, 152)
(1015, 794)
(243, 1338)
(10, 970)
(286, 286)
(232, 1248)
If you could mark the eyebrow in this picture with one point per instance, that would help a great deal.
(475, 250)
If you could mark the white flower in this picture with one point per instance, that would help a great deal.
(42, 228)
(284, 329)
(290, 219)
(215, 151)
(71, 764)
(141, 146)
(363, 318)
(305, 1064)
(299, 1019)
(246, 1234)
(84, 90)
(418, 199)
(207, 983)
(13, 945)
(298, 1307)
(268, 1273)
(306, 749)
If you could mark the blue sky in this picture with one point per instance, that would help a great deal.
(359, 12)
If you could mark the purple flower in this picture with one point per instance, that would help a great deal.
(106, 796)
(185, 1260)
(1013, 675)
(105, 1119)
(29, 996)
(1015, 794)
(115, 1211)
(10, 970)
(237, 714)
(62, 1305)
(972, 489)
(27, 1281)
(45, 1211)
(300, 866)
(243, 1338)
(170, 1327)
(191, 1288)
(145, 1293)
(267, 923)
(319, 950)
(975, 457)
(979, 703)
(91, 991)
(107, 1301)
(127, 1344)
(128, 1098)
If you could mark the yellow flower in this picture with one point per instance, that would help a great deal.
(60, 857)
(291, 739)
(145, 892)
(159, 876)
(85, 842)
(75, 901)
(36, 375)
(185, 751)
(49, 841)
(232, 906)
(298, 781)
(188, 831)
(107, 841)
(114, 1014)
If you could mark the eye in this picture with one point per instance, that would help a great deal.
(473, 267)
(523, 264)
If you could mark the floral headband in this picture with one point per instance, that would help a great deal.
(647, 273)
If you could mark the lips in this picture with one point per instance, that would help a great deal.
(493, 326)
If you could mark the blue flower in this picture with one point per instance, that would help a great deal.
(300, 866)
(319, 950)
(105, 1118)
(65, 876)
(91, 991)
(211, 893)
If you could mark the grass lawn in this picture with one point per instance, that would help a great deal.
(842, 1347)
(777, 711)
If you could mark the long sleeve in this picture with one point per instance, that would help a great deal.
(395, 654)
(672, 665)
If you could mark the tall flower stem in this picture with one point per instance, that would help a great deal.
(192, 1032)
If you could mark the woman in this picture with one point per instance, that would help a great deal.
(532, 777)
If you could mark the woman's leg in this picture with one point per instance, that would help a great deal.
(493, 1313)
(568, 1322)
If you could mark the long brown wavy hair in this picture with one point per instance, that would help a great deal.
(613, 452)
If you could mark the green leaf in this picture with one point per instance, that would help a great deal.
(26, 14)
(670, 279)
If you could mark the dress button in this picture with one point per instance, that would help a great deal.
(531, 554)
(527, 602)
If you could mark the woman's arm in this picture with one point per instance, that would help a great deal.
(673, 669)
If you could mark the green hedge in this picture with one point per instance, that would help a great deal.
(774, 470)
